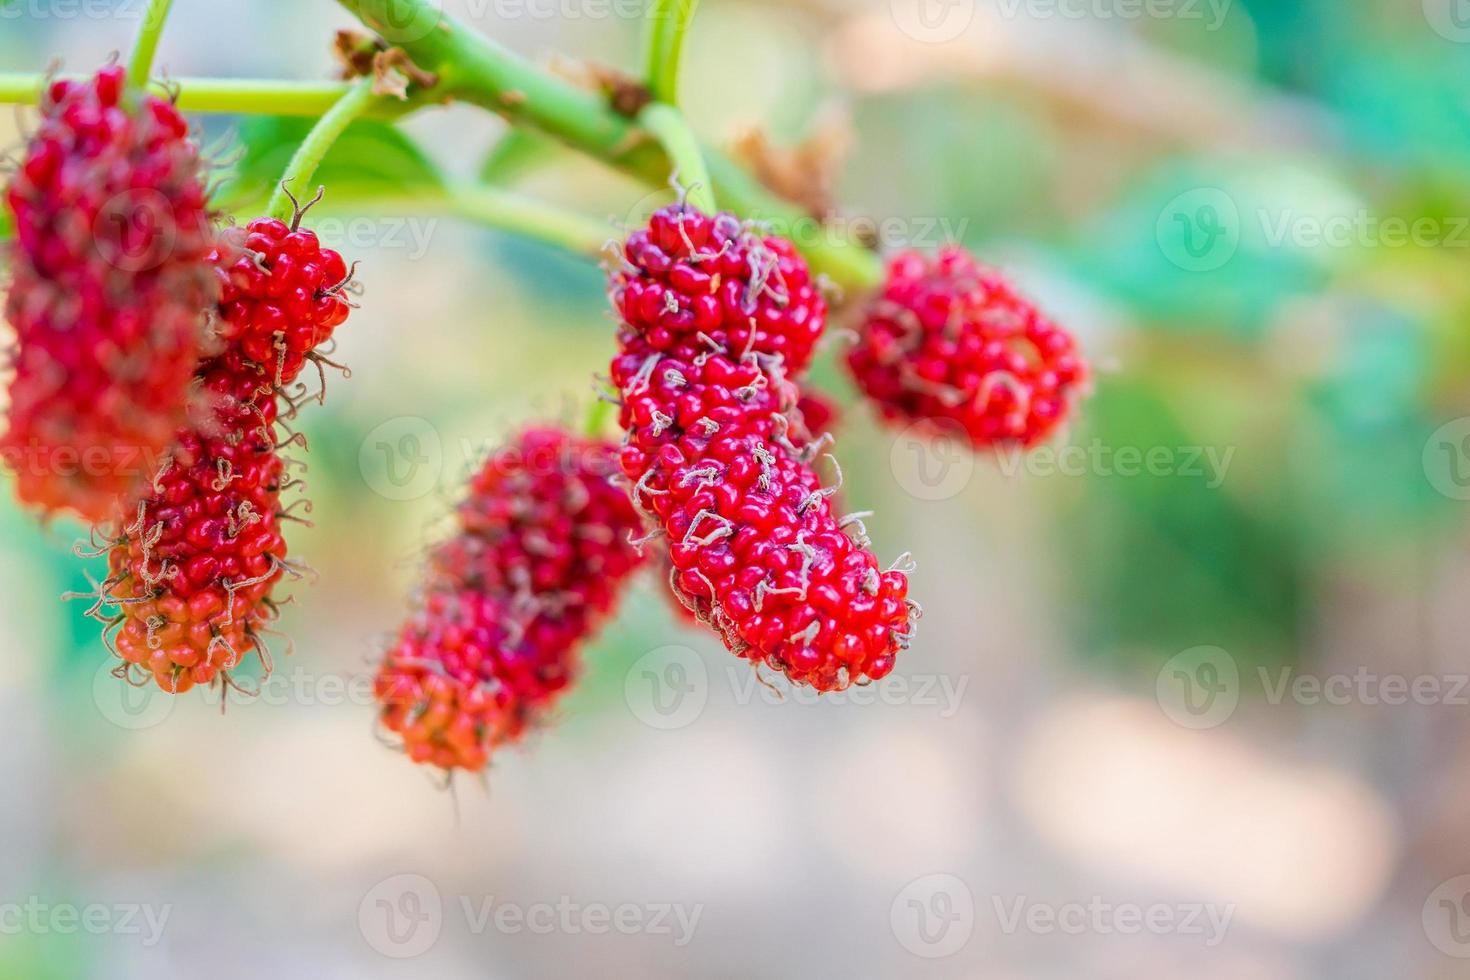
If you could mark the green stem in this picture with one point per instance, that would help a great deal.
(522, 215)
(667, 124)
(309, 154)
(668, 21)
(225, 95)
(475, 69)
(140, 62)
(490, 207)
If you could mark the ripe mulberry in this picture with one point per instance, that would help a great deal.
(688, 274)
(192, 572)
(949, 339)
(108, 294)
(717, 460)
(281, 295)
(542, 550)
(191, 575)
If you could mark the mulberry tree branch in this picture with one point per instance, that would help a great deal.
(475, 69)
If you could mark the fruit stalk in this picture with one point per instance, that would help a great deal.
(668, 20)
(312, 149)
(145, 45)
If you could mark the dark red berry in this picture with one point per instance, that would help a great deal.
(949, 340)
(109, 290)
(544, 547)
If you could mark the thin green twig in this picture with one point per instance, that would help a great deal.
(312, 149)
(145, 45)
(668, 126)
(668, 22)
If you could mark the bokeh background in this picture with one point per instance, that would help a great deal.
(1189, 697)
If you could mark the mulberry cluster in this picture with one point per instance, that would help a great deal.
(715, 320)
(192, 574)
(542, 549)
(950, 340)
(109, 290)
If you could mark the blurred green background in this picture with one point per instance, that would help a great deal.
(1255, 214)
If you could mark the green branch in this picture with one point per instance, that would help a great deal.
(312, 149)
(257, 96)
(525, 216)
(140, 62)
(475, 69)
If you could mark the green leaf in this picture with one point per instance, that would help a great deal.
(369, 157)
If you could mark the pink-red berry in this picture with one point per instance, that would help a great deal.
(688, 274)
(110, 286)
(191, 573)
(197, 559)
(542, 550)
(720, 460)
(949, 342)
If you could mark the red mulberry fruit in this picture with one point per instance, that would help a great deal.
(714, 455)
(281, 295)
(688, 274)
(191, 576)
(542, 551)
(108, 295)
(949, 340)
